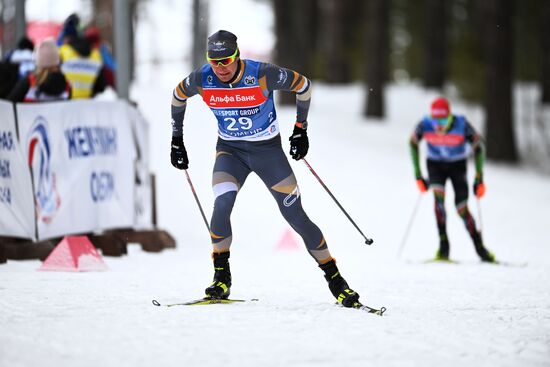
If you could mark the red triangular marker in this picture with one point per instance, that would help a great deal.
(287, 241)
(74, 253)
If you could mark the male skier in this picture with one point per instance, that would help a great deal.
(240, 94)
(447, 136)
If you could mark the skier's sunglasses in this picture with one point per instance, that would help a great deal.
(224, 61)
(444, 120)
(443, 124)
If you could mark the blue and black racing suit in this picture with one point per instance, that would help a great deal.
(447, 153)
(249, 141)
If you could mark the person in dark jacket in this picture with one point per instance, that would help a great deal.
(16, 64)
(47, 82)
(22, 55)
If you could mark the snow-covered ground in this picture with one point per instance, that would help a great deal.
(438, 314)
(466, 314)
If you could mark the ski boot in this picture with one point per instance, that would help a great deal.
(221, 284)
(338, 286)
(443, 253)
(484, 254)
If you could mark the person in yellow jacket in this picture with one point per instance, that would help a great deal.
(82, 66)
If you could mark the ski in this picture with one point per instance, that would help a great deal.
(511, 264)
(441, 261)
(497, 262)
(368, 309)
(217, 301)
(204, 301)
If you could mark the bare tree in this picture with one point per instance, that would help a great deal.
(377, 57)
(284, 43)
(14, 27)
(334, 50)
(102, 18)
(296, 38)
(500, 135)
(305, 35)
(200, 30)
(2, 27)
(435, 59)
(545, 37)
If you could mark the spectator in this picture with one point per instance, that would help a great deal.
(22, 56)
(16, 64)
(8, 77)
(81, 64)
(109, 65)
(70, 29)
(47, 82)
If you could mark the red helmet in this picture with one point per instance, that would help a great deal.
(440, 108)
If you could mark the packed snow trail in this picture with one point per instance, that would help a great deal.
(438, 314)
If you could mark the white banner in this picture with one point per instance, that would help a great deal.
(82, 156)
(143, 206)
(16, 205)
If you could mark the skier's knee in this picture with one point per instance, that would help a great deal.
(296, 218)
(224, 203)
(462, 208)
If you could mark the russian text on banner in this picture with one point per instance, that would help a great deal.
(82, 156)
(16, 201)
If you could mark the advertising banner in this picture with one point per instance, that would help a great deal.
(143, 195)
(16, 200)
(82, 156)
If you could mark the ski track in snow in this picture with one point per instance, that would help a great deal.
(438, 314)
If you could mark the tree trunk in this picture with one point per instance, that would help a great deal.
(285, 42)
(2, 29)
(200, 32)
(305, 36)
(334, 50)
(14, 28)
(296, 39)
(435, 61)
(545, 36)
(500, 136)
(103, 19)
(377, 57)
(134, 5)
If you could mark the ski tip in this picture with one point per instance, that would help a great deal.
(510, 264)
(375, 311)
(155, 302)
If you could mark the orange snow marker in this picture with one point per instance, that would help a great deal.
(74, 253)
(287, 241)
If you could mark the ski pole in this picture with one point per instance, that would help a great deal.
(409, 225)
(197, 200)
(368, 241)
(479, 215)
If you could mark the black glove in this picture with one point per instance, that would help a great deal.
(299, 143)
(178, 155)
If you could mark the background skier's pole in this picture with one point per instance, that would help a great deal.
(368, 241)
(479, 215)
(409, 225)
(197, 200)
